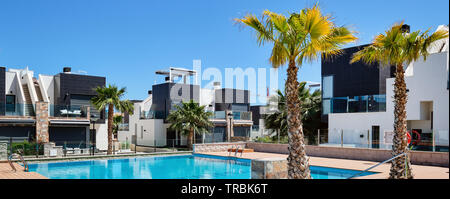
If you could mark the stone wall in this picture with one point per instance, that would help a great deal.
(42, 122)
(269, 168)
(377, 155)
(217, 147)
(3, 150)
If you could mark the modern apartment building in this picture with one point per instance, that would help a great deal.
(49, 108)
(357, 100)
(232, 118)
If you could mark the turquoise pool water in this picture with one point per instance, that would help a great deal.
(165, 167)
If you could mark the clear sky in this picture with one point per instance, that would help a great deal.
(127, 41)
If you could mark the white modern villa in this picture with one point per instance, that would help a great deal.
(51, 108)
(365, 118)
(232, 117)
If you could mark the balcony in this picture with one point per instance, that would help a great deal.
(18, 110)
(67, 111)
(151, 115)
(355, 104)
(236, 115)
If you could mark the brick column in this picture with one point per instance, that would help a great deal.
(42, 122)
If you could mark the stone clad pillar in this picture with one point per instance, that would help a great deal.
(3, 150)
(269, 168)
(42, 122)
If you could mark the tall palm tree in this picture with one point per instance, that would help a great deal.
(190, 118)
(310, 111)
(397, 47)
(111, 97)
(301, 37)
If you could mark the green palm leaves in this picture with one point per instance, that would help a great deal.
(310, 106)
(189, 118)
(301, 36)
(395, 47)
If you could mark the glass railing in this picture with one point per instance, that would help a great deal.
(69, 111)
(123, 127)
(242, 115)
(18, 110)
(236, 115)
(355, 104)
(151, 115)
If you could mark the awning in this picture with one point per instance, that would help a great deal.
(16, 121)
(70, 122)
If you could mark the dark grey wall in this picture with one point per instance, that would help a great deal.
(226, 97)
(167, 93)
(355, 79)
(2, 90)
(256, 114)
(77, 85)
(17, 131)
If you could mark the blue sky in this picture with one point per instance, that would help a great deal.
(127, 41)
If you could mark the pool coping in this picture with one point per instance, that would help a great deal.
(83, 158)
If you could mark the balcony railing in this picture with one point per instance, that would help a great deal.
(69, 111)
(355, 104)
(151, 115)
(236, 115)
(18, 110)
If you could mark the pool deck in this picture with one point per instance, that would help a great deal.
(6, 172)
(419, 171)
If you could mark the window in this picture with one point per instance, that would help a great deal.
(10, 103)
(327, 87)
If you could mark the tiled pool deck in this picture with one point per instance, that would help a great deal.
(419, 171)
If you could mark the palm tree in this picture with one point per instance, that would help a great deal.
(110, 97)
(301, 37)
(190, 118)
(117, 120)
(310, 106)
(397, 47)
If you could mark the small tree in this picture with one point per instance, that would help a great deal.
(190, 118)
(110, 97)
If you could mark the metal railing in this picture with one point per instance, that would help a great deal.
(386, 161)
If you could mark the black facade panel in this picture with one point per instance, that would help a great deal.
(18, 131)
(167, 94)
(73, 84)
(256, 114)
(70, 86)
(355, 79)
(2, 90)
(70, 136)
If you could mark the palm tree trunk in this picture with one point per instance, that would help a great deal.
(110, 127)
(190, 138)
(401, 166)
(298, 161)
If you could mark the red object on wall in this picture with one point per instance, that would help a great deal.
(409, 137)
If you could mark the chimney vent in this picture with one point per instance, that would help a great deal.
(149, 92)
(405, 28)
(67, 69)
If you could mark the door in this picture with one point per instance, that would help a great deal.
(375, 137)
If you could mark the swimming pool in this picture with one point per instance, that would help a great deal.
(165, 167)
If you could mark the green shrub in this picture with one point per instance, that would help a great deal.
(28, 148)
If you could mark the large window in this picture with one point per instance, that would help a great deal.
(10, 103)
(327, 87)
(327, 94)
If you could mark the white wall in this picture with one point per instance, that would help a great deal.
(151, 132)
(101, 137)
(47, 84)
